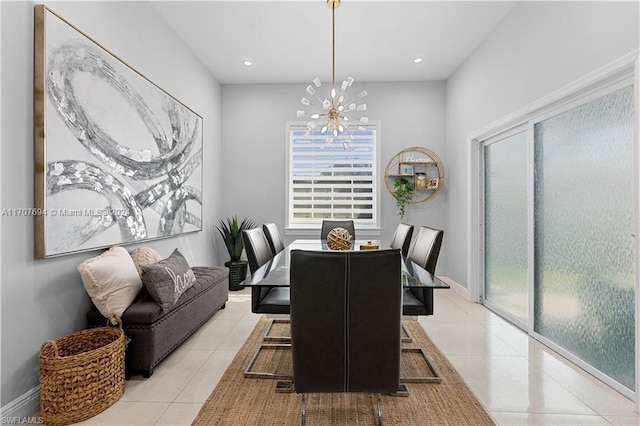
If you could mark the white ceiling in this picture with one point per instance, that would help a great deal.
(290, 41)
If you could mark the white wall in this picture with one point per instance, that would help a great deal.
(538, 48)
(45, 299)
(255, 146)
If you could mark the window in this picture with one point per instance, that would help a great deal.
(331, 181)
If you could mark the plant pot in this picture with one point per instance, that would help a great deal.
(237, 274)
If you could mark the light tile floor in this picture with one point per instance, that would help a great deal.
(517, 379)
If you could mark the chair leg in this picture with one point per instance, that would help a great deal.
(434, 378)
(303, 413)
(268, 338)
(405, 332)
(249, 373)
(402, 391)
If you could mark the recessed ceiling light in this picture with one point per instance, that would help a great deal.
(417, 60)
(247, 63)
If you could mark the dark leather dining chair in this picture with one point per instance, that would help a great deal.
(402, 238)
(345, 322)
(273, 237)
(424, 251)
(328, 225)
(264, 300)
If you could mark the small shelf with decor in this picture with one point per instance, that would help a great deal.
(421, 167)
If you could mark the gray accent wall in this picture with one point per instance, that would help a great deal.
(255, 146)
(45, 299)
(537, 49)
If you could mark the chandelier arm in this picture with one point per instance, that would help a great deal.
(353, 100)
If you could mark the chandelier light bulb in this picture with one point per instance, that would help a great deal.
(315, 116)
(324, 129)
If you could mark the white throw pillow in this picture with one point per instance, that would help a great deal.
(112, 281)
(144, 256)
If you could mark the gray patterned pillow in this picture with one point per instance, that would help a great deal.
(167, 279)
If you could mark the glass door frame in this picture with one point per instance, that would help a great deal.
(520, 128)
(621, 73)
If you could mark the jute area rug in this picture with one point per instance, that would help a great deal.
(237, 400)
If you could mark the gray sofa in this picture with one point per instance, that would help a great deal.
(154, 333)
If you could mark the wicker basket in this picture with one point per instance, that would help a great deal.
(81, 374)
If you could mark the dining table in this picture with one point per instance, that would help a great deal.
(275, 273)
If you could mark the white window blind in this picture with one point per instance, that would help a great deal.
(331, 181)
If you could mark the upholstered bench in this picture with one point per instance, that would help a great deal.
(154, 333)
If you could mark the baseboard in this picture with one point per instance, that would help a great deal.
(458, 288)
(22, 409)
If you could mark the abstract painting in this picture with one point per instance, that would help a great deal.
(118, 160)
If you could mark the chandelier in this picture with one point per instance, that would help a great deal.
(333, 115)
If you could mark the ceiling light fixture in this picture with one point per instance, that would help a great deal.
(417, 60)
(334, 116)
(247, 63)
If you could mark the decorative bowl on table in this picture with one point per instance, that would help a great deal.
(339, 239)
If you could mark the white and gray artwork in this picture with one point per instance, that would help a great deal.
(122, 157)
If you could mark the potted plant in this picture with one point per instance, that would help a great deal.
(403, 192)
(231, 232)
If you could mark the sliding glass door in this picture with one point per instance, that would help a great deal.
(505, 232)
(558, 231)
(584, 256)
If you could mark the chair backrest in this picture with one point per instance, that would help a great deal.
(402, 238)
(328, 225)
(346, 320)
(426, 248)
(256, 247)
(273, 237)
